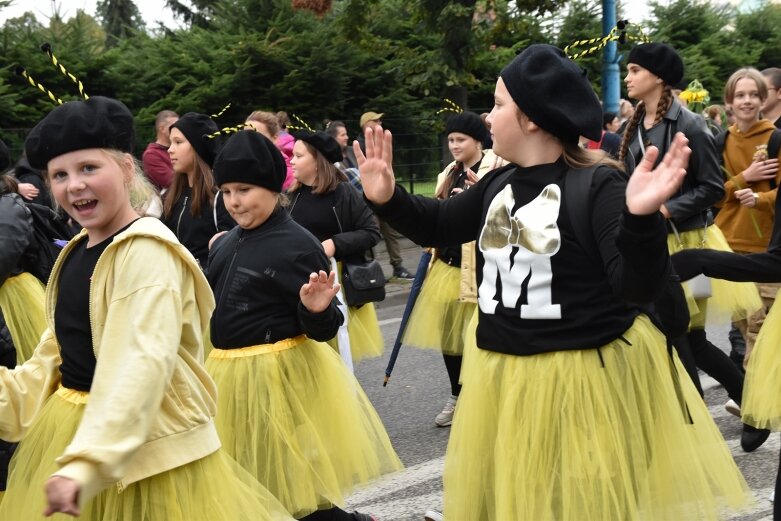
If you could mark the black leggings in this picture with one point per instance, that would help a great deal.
(776, 508)
(453, 366)
(717, 364)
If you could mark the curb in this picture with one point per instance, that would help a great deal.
(395, 295)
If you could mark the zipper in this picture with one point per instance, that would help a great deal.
(228, 271)
(268, 336)
(337, 219)
(179, 221)
(92, 301)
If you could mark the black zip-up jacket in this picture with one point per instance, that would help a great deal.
(703, 185)
(16, 234)
(257, 275)
(754, 267)
(355, 229)
(194, 232)
(539, 290)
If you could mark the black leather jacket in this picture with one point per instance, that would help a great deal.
(16, 234)
(703, 185)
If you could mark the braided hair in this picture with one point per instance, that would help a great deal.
(662, 107)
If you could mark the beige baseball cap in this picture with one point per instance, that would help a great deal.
(369, 116)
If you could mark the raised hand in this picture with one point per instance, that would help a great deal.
(317, 294)
(649, 187)
(376, 167)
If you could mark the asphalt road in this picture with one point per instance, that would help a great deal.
(419, 388)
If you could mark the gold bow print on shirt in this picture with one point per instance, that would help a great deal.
(533, 226)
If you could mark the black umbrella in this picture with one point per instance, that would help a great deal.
(414, 291)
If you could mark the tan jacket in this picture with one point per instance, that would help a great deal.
(468, 291)
(747, 229)
(151, 405)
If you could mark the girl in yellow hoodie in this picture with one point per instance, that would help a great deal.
(748, 208)
(115, 409)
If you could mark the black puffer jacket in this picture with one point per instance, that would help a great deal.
(703, 185)
(16, 234)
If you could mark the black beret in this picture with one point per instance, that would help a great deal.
(660, 59)
(554, 93)
(467, 123)
(323, 143)
(196, 127)
(95, 123)
(5, 156)
(250, 157)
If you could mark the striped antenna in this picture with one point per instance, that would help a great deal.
(617, 33)
(23, 73)
(225, 131)
(450, 106)
(220, 113)
(303, 126)
(47, 48)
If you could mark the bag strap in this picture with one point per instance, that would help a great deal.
(577, 198)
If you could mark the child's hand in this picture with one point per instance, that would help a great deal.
(62, 495)
(317, 294)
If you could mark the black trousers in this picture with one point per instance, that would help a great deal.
(453, 366)
(716, 363)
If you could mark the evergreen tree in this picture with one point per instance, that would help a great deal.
(119, 18)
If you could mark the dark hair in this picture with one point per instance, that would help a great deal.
(607, 118)
(203, 188)
(665, 101)
(774, 73)
(332, 127)
(328, 176)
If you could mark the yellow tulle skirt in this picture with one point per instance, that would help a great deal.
(209, 489)
(364, 331)
(731, 300)
(439, 319)
(294, 416)
(568, 435)
(22, 303)
(761, 405)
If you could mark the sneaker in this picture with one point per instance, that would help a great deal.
(363, 517)
(445, 418)
(400, 272)
(732, 408)
(433, 515)
(752, 438)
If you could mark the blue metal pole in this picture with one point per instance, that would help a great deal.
(611, 81)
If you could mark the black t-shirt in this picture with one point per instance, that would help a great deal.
(72, 314)
(539, 290)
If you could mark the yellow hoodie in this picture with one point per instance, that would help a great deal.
(734, 219)
(151, 405)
